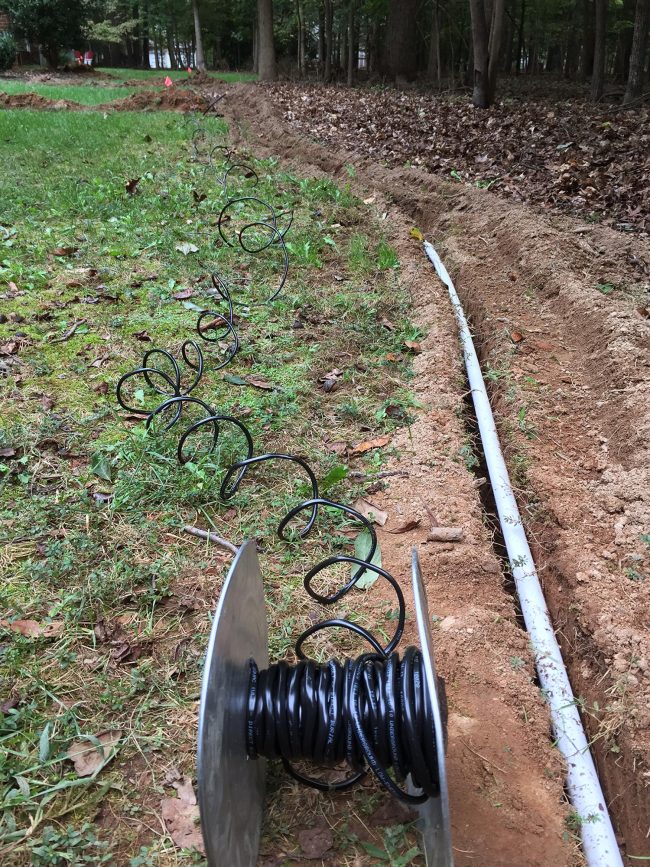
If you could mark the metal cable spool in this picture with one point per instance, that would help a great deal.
(242, 694)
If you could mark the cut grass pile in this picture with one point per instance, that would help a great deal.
(92, 507)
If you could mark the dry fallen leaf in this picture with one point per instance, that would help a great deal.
(183, 295)
(181, 817)
(33, 629)
(132, 186)
(406, 526)
(28, 628)
(256, 382)
(87, 757)
(370, 511)
(9, 348)
(367, 445)
(329, 380)
(315, 842)
(186, 248)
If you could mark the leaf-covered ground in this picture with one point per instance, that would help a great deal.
(563, 155)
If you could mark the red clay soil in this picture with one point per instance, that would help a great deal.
(560, 316)
(169, 99)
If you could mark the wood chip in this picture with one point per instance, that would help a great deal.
(446, 534)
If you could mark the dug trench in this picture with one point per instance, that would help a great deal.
(561, 329)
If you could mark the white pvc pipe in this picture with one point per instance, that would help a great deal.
(598, 840)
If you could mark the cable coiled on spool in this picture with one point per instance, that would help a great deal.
(373, 712)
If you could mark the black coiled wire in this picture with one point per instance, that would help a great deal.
(372, 712)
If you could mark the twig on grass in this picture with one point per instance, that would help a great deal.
(211, 537)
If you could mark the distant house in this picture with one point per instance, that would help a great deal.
(5, 22)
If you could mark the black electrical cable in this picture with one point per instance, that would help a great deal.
(373, 712)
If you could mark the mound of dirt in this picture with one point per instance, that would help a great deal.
(35, 101)
(139, 82)
(85, 71)
(201, 78)
(170, 99)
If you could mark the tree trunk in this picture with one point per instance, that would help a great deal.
(300, 14)
(494, 46)
(569, 64)
(351, 43)
(200, 59)
(600, 49)
(171, 50)
(401, 38)
(520, 36)
(145, 35)
(480, 76)
(639, 47)
(587, 57)
(321, 42)
(327, 74)
(266, 46)
(433, 67)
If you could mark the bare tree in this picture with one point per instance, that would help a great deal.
(639, 47)
(266, 45)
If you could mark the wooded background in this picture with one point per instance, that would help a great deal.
(447, 43)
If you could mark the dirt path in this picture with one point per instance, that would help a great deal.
(568, 364)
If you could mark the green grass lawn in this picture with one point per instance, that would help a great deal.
(84, 94)
(92, 507)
